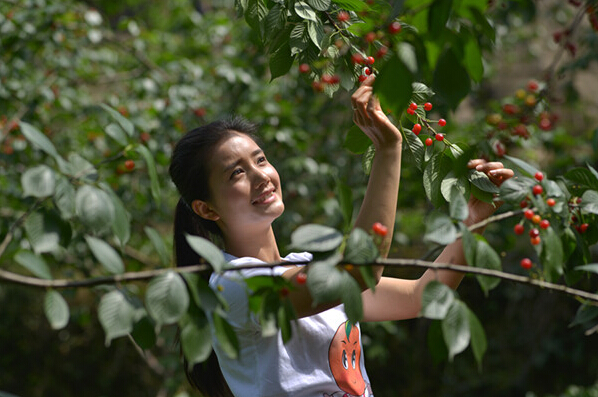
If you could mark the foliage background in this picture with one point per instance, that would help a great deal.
(58, 62)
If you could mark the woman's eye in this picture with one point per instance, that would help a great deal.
(261, 159)
(236, 172)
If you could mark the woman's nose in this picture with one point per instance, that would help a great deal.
(260, 177)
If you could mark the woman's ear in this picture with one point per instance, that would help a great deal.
(204, 210)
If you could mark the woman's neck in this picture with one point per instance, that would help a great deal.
(256, 245)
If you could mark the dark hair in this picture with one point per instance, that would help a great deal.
(190, 171)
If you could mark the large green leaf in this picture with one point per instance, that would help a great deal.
(515, 189)
(275, 20)
(158, 244)
(196, 339)
(34, 263)
(56, 309)
(305, 11)
(415, 147)
(351, 298)
(345, 199)
(144, 333)
(451, 80)
(94, 208)
(360, 248)
(298, 39)
(455, 329)
(201, 292)
(116, 314)
(351, 5)
(64, 197)
(115, 132)
(316, 238)
(438, 16)
(38, 139)
(281, 61)
(458, 205)
(356, 141)
(225, 334)
(440, 229)
(38, 181)
(125, 123)
(394, 85)
(46, 231)
(106, 255)
(208, 251)
(487, 258)
(166, 298)
(315, 31)
(151, 169)
(121, 227)
(552, 256)
(472, 59)
(589, 201)
(523, 166)
(481, 180)
(325, 280)
(452, 181)
(434, 173)
(479, 344)
(437, 299)
(320, 5)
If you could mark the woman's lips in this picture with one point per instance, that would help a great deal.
(265, 198)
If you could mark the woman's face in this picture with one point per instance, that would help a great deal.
(244, 186)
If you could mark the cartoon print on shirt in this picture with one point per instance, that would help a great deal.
(344, 356)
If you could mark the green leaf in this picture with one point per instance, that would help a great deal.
(121, 227)
(479, 344)
(589, 201)
(394, 85)
(208, 251)
(551, 255)
(526, 168)
(451, 80)
(34, 263)
(158, 244)
(225, 334)
(455, 329)
(325, 281)
(286, 313)
(143, 333)
(514, 190)
(166, 298)
(106, 255)
(421, 92)
(203, 296)
(584, 314)
(38, 139)
(356, 141)
(437, 299)
(38, 181)
(415, 147)
(316, 238)
(64, 197)
(438, 16)
(434, 173)
(440, 229)
(315, 31)
(482, 181)
(487, 258)
(196, 339)
(305, 11)
(345, 199)
(472, 59)
(351, 298)
(298, 40)
(320, 5)
(94, 208)
(116, 314)
(56, 309)
(458, 205)
(115, 132)
(582, 176)
(351, 5)
(275, 20)
(591, 267)
(367, 159)
(281, 61)
(45, 231)
(125, 123)
(450, 182)
(360, 248)
(151, 169)
(5, 394)
(470, 244)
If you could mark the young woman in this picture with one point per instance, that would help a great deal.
(231, 194)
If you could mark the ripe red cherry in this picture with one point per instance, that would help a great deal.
(416, 129)
(550, 202)
(410, 111)
(535, 240)
(301, 278)
(583, 227)
(529, 214)
(357, 59)
(370, 37)
(382, 51)
(379, 229)
(545, 124)
(526, 263)
(129, 164)
(326, 79)
(519, 229)
(371, 60)
(544, 224)
(539, 176)
(429, 142)
(442, 122)
(343, 16)
(439, 137)
(532, 85)
(523, 203)
(413, 105)
(362, 77)
(367, 71)
(534, 233)
(427, 106)
(304, 68)
(536, 219)
(537, 189)
(394, 28)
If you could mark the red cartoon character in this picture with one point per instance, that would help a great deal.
(344, 357)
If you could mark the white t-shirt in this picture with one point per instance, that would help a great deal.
(323, 358)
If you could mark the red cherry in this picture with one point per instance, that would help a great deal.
(526, 263)
(367, 71)
(370, 37)
(301, 278)
(534, 232)
(416, 129)
(442, 122)
(357, 59)
(509, 108)
(129, 164)
(200, 112)
(550, 202)
(519, 228)
(583, 227)
(428, 106)
(544, 224)
(382, 51)
(362, 77)
(410, 111)
(335, 79)
(371, 60)
(439, 137)
(304, 68)
(317, 86)
(284, 292)
(532, 85)
(523, 203)
(429, 142)
(536, 219)
(343, 16)
(413, 106)
(326, 79)
(545, 124)
(394, 28)
(535, 240)
(537, 189)
(379, 229)
(539, 176)
(529, 214)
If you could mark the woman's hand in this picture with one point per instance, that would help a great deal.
(496, 171)
(368, 115)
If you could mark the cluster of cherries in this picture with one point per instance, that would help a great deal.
(538, 222)
(417, 127)
(516, 117)
(564, 37)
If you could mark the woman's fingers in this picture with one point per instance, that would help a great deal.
(495, 170)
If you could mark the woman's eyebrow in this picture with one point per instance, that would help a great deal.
(236, 163)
